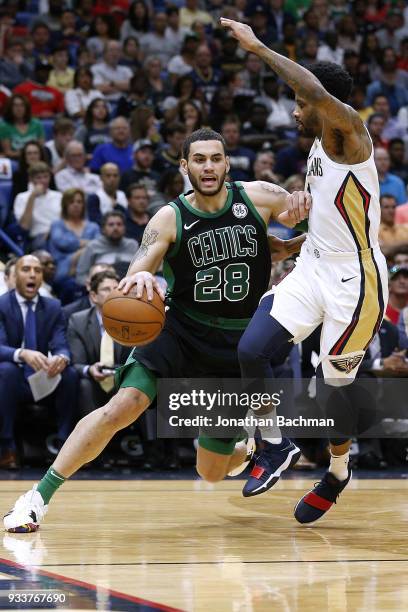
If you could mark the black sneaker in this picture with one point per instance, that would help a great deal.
(317, 502)
(271, 461)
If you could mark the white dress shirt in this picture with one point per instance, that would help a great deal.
(68, 178)
(46, 210)
(105, 201)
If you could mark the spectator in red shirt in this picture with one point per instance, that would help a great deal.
(45, 101)
(398, 293)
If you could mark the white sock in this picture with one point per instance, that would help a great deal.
(268, 433)
(338, 465)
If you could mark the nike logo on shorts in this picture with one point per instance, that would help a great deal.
(187, 227)
(344, 280)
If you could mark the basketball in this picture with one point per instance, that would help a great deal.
(133, 321)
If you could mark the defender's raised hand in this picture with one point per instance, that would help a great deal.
(242, 32)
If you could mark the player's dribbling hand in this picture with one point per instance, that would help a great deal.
(242, 32)
(140, 280)
(299, 204)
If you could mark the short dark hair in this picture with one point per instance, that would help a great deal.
(202, 134)
(394, 141)
(99, 277)
(380, 95)
(63, 125)
(334, 79)
(388, 196)
(7, 268)
(112, 213)
(135, 186)
(375, 116)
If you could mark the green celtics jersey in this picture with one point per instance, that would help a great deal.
(220, 264)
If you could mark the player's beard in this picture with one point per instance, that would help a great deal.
(216, 190)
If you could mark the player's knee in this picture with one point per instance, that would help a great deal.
(210, 473)
(8, 371)
(124, 408)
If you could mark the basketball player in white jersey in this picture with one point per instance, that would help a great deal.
(340, 278)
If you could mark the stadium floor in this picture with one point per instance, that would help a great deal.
(137, 541)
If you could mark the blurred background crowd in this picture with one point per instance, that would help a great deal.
(96, 98)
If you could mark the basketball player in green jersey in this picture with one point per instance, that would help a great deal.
(217, 261)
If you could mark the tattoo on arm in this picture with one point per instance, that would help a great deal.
(301, 80)
(149, 237)
(271, 187)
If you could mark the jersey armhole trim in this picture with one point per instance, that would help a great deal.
(175, 248)
(251, 205)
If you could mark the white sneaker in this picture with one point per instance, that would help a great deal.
(29, 510)
(250, 447)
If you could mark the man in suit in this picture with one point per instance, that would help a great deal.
(32, 338)
(85, 301)
(92, 349)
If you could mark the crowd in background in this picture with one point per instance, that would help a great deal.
(97, 97)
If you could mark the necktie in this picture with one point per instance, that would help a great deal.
(107, 358)
(30, 334)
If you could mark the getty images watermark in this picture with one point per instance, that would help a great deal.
(222, 402)
(223, 407)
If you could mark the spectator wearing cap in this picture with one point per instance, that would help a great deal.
(119, 151)
(398, 288)
(63, 132)
(61, 76)
(391, 233)
(18, 127)
(155, 42)
(14, 69)
(82, 94)
(142, 172)
(190, 13)
(258, 15)
(108, 197)
(241, 158)
(110, 77)
(169, 156)
(390, 184)
(111, 247)
(45, 101)
(137, 216)
(37, 208)
(75, 173)
(183, 64)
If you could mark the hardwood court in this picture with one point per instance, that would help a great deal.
(198, 547)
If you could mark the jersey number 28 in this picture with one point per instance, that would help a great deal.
(234, 288)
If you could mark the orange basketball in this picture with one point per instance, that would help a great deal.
(133, 321)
